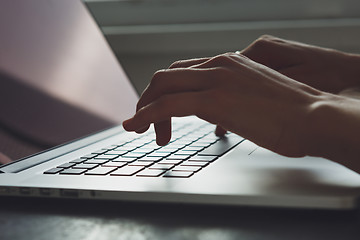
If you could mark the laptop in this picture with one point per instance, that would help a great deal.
(63, 96)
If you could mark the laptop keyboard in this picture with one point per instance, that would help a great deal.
(191, 149)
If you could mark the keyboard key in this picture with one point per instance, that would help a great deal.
(53, 171)
(172, 162)
(144, 150)
(100, 171)
(205, 142)
(101, 151)
(120, 143)
(141, 163)
(210, 138)
(183, 142)
(150, 173)
(178, 174)
(123, 159)
(178, 157)
(71, 171)
(159, 154)
(199, 144)
(84, 166)
(126, 148)
(142, 140)
(133, 155)
(221, 146)
(89, 156)
(66, 165)
(105, 156)
(127, 171)
(161, 166)
(176, 144)
(187, 153)
(96, 161)
(150, 159)
(152, 145)
(195, 163)
(161, 150)
(193, 148)
(169, 148)
(116, 152)
(198, 158)
(134, 144)
(79, 160)
(114, 164)
(143, 157)
(186, 168)
(199, 134)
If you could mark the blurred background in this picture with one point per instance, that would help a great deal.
(148, 35)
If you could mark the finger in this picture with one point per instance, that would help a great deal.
(163, 132)
(241, 64)
(176, 81)
(167, 106)
(233, 62)
(188, 63)
(142, 130)
(184, 79)
(220, 131)
(223, 60)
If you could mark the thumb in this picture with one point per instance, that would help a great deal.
(220, 131)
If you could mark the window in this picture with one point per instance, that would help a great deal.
(132, 12)
(154, 33)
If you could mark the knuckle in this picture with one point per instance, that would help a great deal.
(157, 78)
(223, 59)
(176, 64)
(228, 54)
(266, 37)
(261, 43)
(264, 41)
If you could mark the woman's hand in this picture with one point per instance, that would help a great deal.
(324, 69)
(291, 98)
(234, 92)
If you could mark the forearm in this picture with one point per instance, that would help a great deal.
(334, 130)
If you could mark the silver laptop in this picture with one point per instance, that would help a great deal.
(60, 81)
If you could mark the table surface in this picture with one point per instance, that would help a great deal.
(45, 219)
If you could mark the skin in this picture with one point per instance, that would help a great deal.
(294, 99)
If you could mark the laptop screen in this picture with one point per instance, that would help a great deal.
(59, 79)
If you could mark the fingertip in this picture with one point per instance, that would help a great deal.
(161, 141)
(220, 131)
(163, 132)
(127, 124)
(142, 130)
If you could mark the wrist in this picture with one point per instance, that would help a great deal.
(333, 131)
(318, 127)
